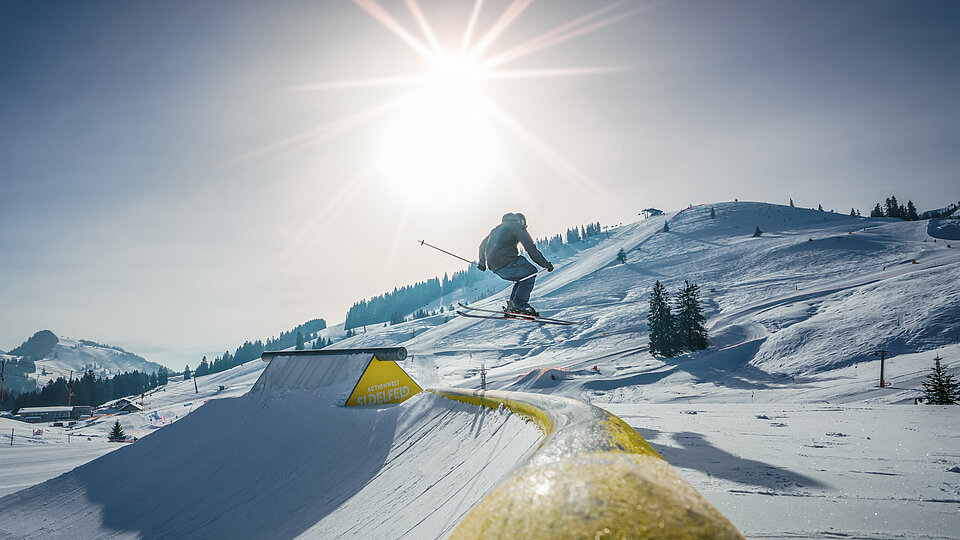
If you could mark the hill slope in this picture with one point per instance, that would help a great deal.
(49, 356)
(806, 303)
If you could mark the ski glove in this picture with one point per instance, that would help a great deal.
(482, 267)
(549, 266)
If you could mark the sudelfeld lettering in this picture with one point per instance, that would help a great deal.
(391, 395)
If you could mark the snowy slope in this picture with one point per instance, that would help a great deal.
(809, 301)
(781, 423)
(815, 471)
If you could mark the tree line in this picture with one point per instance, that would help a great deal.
(676, 324)
(573, 235)
(87, 390)
(893, 209)
(392, 307)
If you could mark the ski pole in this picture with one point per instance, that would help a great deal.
(423, 243)
(531, 275)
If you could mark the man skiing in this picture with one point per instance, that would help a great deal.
(499, 251)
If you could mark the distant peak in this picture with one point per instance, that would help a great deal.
(46, 335)
(38, 346)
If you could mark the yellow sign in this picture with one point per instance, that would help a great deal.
(382, 383)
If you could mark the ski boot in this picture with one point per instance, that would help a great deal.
(526, 310)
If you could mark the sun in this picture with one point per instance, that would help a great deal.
(439, 148)
(453, 76)
(438, 142)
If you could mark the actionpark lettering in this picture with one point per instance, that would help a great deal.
(390, 392)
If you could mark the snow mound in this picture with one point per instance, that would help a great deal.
(280, 464)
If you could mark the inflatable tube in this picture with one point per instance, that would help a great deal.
(592, 477)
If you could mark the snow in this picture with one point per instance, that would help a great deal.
(945, 229)
(280, 464)
(32, 459)
(76, 356)
(781, 423)
(815, 471)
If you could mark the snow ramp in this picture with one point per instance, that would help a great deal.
(287, 460)
(316, 449)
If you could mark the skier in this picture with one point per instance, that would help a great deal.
(499, 251)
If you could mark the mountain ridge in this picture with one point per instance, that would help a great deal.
(45, 356)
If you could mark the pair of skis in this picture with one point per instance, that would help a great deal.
(480, 313)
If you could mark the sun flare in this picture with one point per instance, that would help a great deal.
(439, 142)
(440, 148)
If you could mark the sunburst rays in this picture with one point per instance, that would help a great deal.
(472, 49)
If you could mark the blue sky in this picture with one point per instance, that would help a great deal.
(148, 198)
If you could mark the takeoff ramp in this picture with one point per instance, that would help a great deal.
(286, 460)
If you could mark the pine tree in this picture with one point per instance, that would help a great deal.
(713, 213)
(940, 386)
(757, 233)
(203, 368)
(691, 332)
(117, 434)
(186, 372)
(911, 212)
(820, 207)
(893, 207)
(877, 211)
(853, 212)
(660, 322)
(622, 256)
(666, 227)
(299, 346)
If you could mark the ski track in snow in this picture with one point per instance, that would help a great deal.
(780, 423)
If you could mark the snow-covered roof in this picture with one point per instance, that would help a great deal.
(41, 410)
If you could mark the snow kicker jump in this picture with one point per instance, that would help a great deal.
(377, 377)
(289, 460)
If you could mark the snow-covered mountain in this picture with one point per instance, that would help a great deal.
(49, 356)
(780, 423)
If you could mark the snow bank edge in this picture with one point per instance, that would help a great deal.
(592, 475)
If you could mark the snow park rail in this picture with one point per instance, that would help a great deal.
(592, 477)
